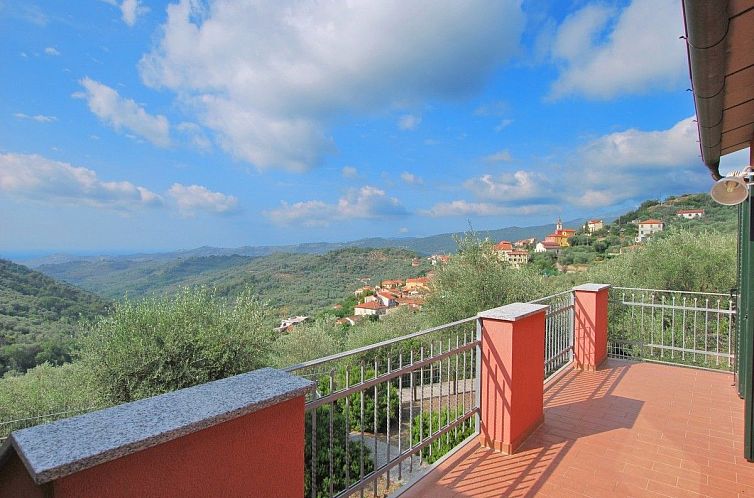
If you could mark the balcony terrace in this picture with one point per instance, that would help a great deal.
(520, 400)
(628, 429)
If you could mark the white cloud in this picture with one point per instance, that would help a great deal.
(510, 187)
(503, 124)
(626, 166)
(349, 172)
(33, 177)
(636, 164)
(52, 51)
(411, 178)
(409, 122)
(192, 199)
(604, 52)
(365, 203)
(269, 77)
(195, 135)
(500, 156)
(465, 208)
(130, 10)
(39, 118)
(403, 230)
(122, 113)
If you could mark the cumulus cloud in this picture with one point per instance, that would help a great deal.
(124, 114)
(604, 52)
(130, 10)
(52, 51)
(268, 77)
(193, 199)
(195, 135)
(636, 164)
(411, 178)
(500, 156)
(349, 172)
(625, 166)
(466, 208)
(364, 203)
(510, 187)
(39, 118)
(33, 177)
(409, 122)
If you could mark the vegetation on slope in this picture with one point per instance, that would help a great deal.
(296, 283)
(38, 317)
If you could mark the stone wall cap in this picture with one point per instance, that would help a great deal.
(513, 312)
(67, 446)
(591, 287)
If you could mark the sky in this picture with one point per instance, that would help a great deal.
(139, 125)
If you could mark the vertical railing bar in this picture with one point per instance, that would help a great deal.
(706, 330)
(478, 374)
(361, 426)
(400, 411)
(348, 431)
(672, 329)
(421, 402)
(411, 412)
(683, 330)
(696, 342)
(387, 423)
(455, 390)
(375, 406)
(717, 335)
(332, 408)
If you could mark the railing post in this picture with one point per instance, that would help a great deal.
(590, 325)
(511, 376)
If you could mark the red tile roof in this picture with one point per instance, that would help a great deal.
(503, 245)
(374, 305)
(651, 222)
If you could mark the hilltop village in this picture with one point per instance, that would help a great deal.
(564, 250)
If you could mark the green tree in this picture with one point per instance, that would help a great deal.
(161, 344)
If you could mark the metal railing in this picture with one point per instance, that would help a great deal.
(8, 426)
(558, 331)
(690, 328)
(382, 412)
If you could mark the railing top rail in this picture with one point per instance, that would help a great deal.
(721, 294)
(557, 294)
(370, 347)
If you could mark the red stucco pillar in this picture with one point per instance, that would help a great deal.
(512, 374)
(590, 325)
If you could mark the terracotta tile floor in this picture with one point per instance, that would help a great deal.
(630, 429)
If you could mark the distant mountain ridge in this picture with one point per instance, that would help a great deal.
(434, 244)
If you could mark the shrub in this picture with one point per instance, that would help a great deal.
(157, 345)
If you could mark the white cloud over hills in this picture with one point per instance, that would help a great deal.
(268, 76)
(604, 52)
(367, 202)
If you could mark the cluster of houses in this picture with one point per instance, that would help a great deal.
(389, 296)
(648, 227)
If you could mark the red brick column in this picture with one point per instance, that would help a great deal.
(512, 374)
(590, 325)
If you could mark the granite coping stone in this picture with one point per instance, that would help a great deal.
(513, 312)
(61, 448)
(591, 287)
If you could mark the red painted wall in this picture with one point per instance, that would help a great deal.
(512, 380)
(590, 328)
(15, 481)
(260, 455)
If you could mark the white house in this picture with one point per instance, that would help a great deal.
(648, 227)
(547, 246)
(374, 308)
(690, 214)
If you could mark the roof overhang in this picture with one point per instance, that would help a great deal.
(720, 43)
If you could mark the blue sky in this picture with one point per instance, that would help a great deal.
(137, 125)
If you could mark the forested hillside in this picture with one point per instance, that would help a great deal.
(38, 316)
(297, 283)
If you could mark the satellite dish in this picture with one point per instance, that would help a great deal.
(730, 191)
